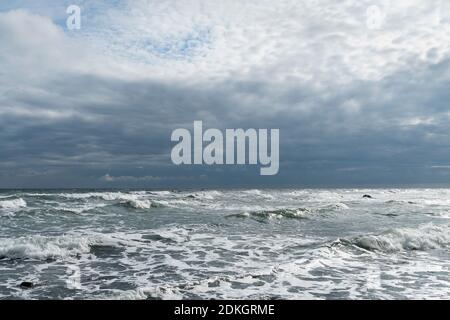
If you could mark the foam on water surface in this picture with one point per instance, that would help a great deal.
(262, 244)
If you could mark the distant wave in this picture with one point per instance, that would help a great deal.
(80, 209)
(298, 213)
(135, 200)
(108, 196)
(257, 193)
(141, 204)
(292, 213)
(400, 202)
(334, 206)
(205, 195)
(160, 193)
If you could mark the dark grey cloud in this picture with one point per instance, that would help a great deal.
(324, 144)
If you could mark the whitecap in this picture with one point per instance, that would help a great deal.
(56, 247)
(12, 206)
(423, 238)
(143, 204)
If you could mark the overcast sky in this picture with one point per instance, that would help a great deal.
(357, 103)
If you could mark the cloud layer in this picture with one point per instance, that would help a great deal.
(95, 107)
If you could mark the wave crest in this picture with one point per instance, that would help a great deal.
(298, 213)
(66, 246)
(142, 204)
(424, 238)
(13, 205)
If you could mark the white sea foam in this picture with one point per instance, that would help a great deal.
(136, 200)
(138, 204)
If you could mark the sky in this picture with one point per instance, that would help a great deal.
(358, 90)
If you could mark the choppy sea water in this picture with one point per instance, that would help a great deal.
(258, 244)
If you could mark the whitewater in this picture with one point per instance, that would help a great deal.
(225, 244)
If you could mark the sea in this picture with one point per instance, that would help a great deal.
(225, 244)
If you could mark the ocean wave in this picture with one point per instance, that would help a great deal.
(36, 194)
(160, 193)
(142, 204)
(404, 239)
(297, 213)
(205, 195)
(170, 234)
(292, 213)
(135, 200)
(334, 207)
(257, 193)
(107, 196)
(118, 195)
(12, 205)
(39, 247)
(42, 248)
(399, 202)
(81, 209)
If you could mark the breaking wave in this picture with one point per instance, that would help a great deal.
(298, 213)
(423, 238)
(107, 196)
(81, 209)
(334, 206)
(292, 213)
(205, 195)
(258, 193)
(13, 205)
(141, 204)
(50, 248)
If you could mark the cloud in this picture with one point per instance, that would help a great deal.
(133, 179)
(76, 105)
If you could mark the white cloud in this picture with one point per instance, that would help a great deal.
(313, 41)
(109, 178)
